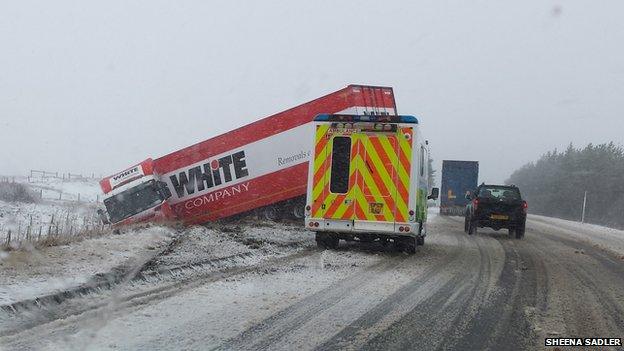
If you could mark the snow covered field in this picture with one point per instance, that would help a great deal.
(66, 205)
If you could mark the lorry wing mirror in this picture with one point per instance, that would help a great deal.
(435, 192)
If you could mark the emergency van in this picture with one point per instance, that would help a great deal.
(368, 180)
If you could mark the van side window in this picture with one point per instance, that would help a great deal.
(340, 162)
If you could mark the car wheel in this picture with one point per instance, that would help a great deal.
(466, 224)
(520, 232)
(472, 228)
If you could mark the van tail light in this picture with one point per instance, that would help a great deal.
(525, 207)
(475, 204)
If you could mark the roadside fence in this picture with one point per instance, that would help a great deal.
(60, 228)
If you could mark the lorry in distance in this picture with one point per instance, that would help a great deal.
(458, 178)
(259, 167)
(368, 181)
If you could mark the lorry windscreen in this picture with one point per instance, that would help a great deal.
(133, 201)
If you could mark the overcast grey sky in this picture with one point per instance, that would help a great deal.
(97, 86)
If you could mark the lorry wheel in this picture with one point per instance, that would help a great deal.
(298, 210)
(270, 213)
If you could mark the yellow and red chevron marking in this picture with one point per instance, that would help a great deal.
(377, 181)
(379, 174)
(321, 169)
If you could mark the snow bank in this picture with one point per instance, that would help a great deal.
(606, 238)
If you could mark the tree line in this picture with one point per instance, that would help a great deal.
(555, 184)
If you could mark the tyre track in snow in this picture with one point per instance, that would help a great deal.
(67, 317)
(436, 314)
(585, 286)
(490, 291)
(295, 325)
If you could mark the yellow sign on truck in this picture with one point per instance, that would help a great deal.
(368, 180)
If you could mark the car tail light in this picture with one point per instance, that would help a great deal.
(525, 206)
(475, 204)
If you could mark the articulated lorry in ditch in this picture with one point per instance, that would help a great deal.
(260, 167)
(368, 181)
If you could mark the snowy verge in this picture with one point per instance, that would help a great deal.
(604, 237)
(30, 274)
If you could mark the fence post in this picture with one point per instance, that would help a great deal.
(8, 242)
(28, 231)
(51, 224)
(584, 204)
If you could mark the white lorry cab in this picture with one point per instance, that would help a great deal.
(368, 180)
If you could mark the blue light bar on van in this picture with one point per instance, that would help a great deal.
(365, 118)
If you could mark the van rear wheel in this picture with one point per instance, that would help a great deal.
(406, 244)
(420, 241)
(326, 241)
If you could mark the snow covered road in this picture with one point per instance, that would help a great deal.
(272, 289)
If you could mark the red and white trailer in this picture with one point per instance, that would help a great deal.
(261, 166)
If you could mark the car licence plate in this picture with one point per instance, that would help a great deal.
(495, 216)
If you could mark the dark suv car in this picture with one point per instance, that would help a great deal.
(496, 206)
